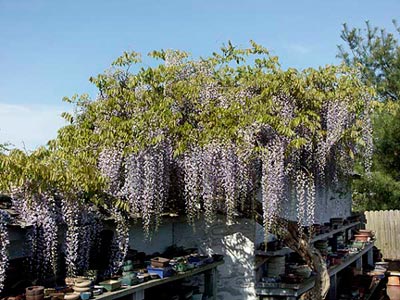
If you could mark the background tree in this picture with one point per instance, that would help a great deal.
(376, 54)
(4, 147)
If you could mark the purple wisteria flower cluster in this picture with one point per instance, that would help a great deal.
(40, 211)
(120, 243)
(4, 242)
(47, 214)
(82, 233)
(223, 175)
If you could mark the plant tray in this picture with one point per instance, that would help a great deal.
(161, 272)
(111, 285)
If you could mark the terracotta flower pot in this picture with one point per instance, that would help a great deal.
(34, 290)
(35, 297)
(361, 238)
(393, 292)
(393, 280)
(365, 232)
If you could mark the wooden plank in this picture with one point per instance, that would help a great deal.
(286, 290)
(384, 218)
(349, 260)
(280, 252)
(329, 234)
(396, 242)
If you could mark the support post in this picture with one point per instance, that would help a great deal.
(370, 257)
(210, 283)
(139, 295)
(359, 263)
(333, 288)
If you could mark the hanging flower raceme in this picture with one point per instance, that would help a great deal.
(83, 230)
(163, 160)
(109, 163)
(132, 189)
(211, 180)
(146, 183)
(89, 234)
(335, 119)
(229, 171)
(40, 211)
(367, 136)
(285, 106)
(309, 169)
(248, 178)
(71, 212)
(4, 242)
(120, 243)
(300, 182)
(272, 180)
(193, 185)
(217, 177)
(311, 205)
(150, 197)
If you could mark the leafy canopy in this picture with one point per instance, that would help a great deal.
(137, 110)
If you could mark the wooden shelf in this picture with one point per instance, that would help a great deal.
(349, 260)
(287, 250)
(125, 291)
(280, 252)
(295, 290)
(285, 289)
(334, 231)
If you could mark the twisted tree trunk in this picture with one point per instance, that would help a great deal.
(298, 242)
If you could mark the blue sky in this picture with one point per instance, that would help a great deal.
(49, 49)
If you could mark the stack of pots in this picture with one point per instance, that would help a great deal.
(35, 292)
(276, 266)
(363, 235)
(322, 246)
(128, 276)
(303, 271)
(81, 287)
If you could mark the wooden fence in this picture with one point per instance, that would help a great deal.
(386, 225)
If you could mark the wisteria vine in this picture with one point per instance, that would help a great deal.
(206, 135)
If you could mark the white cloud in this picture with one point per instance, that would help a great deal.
(29, 125)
